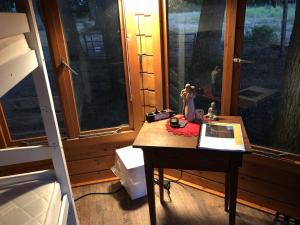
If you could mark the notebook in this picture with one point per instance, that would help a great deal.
(221, 136)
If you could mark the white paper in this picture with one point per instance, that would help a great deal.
(217, 143)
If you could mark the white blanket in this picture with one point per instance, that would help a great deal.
(12, 47)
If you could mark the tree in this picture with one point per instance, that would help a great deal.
(207, 49)
(107, 20)
(286, 133)
(76, 52)
(6, 5)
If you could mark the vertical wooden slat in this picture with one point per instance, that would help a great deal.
(126, 70)
(144, 51)
(165, 51)
(157, 55)
(239, 38)
(133, 62)
(58, 50)
(229, 43)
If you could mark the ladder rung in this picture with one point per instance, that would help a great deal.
(10, 156)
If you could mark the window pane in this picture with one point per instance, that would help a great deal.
(196, 39)
(20, 104)
(269, 95)
(93, 37)
(7, 6)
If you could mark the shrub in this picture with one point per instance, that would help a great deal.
(184, 5)
(262, 33)
(177, 4)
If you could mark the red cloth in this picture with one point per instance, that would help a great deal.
(190, 129)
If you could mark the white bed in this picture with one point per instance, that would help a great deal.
(43, 197)
(32, 199)
(34, 202)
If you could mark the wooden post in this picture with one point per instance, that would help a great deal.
(58, 50)
(238, 47)
(229, 54)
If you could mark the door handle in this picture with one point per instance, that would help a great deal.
(69, 67)
(239, 60)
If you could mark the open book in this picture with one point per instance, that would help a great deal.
(221, 136)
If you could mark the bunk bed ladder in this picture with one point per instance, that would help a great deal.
(44, 94)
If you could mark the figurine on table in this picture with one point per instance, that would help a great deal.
(188, 94)
(212, 112)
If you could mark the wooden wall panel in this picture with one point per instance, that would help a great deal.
(148, 98)
(86, 158)
(143, 26)
(91, 165)
(264, 181)
(25, 167)
(245, 197)
(148, 81)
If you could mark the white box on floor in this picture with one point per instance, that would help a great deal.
(129, 167)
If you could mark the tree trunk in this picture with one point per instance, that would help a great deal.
(107, 20)
(6, 5)
(76, 55)
(207, 49)
(286, 133)
(92, 8)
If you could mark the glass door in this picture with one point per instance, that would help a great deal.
(93, 36)
(196, 49)
(269, 94)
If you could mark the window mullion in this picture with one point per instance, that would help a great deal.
(58, 51)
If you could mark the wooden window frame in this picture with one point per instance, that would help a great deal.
(58, 50)
(235, 90)
(229, 47)
(233, 43)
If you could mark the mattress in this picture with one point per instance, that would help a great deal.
(13, 47)
(35, 202)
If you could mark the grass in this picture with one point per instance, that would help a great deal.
(269, 11)
(252, 11)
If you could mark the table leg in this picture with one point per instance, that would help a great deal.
(161, 184)
(149, 172)
(227, 188)
(233, 179)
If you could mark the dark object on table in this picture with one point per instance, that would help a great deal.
(281, 219)
(199, 116)
(159, 115)
(176, 123)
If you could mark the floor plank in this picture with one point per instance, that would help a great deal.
(185, 205)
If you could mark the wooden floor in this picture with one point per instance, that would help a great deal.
(186, 206)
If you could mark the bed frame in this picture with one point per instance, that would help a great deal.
(11, 73)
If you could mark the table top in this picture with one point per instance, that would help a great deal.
(154, 135)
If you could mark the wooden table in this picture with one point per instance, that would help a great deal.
(166, 150)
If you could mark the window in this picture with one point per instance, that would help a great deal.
(20, 105)
(93, 37)
(196, 40)
(269, 95)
